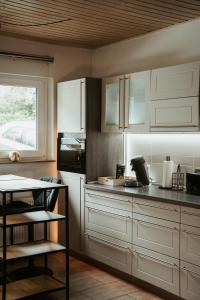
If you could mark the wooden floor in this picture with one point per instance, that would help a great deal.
(90, 283)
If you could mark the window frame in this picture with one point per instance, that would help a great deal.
(41, 84)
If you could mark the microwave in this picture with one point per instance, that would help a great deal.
(193, 183)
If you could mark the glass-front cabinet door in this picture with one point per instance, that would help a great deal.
(113, 104)
(137, 93)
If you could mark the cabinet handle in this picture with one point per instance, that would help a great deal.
(115, 246)
(155, 225)
(192, 272)
(98, 196)
(160, 207)
(190, 214)
(108, 213)
(189, 232)
(159, 260)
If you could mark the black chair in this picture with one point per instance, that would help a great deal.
(15, 207)
(19, 207)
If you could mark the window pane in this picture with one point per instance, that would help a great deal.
(18, 118)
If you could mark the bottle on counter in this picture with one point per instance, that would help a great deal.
(168, 166)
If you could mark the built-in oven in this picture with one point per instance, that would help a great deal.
(71, 153)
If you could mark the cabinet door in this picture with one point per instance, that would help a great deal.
(137, 95)
(109, 251)
(71, 106)
(175, 82)
(190, 281)
(75, 184)
(156, 234)
(113, 104)
(175, 113)
(157, 269)
(190, 244)
(118, 226)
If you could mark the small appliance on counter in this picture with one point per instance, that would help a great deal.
(193, 183)
(139, 166)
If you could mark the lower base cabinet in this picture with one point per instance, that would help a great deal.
(107, 250)
(190, 281)
(157, 269)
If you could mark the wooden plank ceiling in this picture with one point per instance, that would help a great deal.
(91, 23)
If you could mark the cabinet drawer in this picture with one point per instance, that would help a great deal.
(183, 112)
(157, 209)
(190, 244)
(176, 81)
(109, 200)
(107, 250)
(115, 225)
(190, 281)
(190, 216)
(156, 234)
(157, 269)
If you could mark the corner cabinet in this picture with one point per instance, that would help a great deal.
(71, 97)
(125, 103)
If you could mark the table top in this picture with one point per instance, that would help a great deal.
(13, 183)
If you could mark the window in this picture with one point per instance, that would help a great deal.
(23, 116)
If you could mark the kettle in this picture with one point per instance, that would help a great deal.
(138, 165)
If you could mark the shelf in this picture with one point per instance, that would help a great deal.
(31, 217)
(31, 249)
(31, 286)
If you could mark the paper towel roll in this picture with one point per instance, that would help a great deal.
(168, 166)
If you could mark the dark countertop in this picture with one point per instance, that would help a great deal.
(151, 192)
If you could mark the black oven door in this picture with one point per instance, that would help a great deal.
(71, 155)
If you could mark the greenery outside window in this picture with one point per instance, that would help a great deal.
(23, 116)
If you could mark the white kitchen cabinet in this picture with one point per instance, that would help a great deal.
(156, 209)
(175, 82)
(156, 234)
(75, 193)
(175, 114)
(107, 250)
(155, 268)
(125, 103)
(112, 104)
(137, 96)
(190, 216)
(189, 281)
(71, 97)
(111, 224)
(109, 201)
(190, 244)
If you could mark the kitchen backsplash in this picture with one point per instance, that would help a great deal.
(184, 149)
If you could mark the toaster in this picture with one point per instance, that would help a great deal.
(193, 183)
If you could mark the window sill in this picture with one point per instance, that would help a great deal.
(26, 161)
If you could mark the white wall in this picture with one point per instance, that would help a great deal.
(69, 63)
(170, 46)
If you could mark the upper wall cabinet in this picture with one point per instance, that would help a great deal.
(175, 82)
(71, 97)
(125, 103)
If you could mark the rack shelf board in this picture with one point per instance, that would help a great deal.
(31, 217)
(31, 249)
(31, 286)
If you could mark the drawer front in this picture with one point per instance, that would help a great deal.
(181, 112)
(109, 200)
(190, 281)
(107, 250)
(190, 244)
(115, 225)
(155, 209)
(156, 234)
(157, 269)
(190, 216)
(176, 81)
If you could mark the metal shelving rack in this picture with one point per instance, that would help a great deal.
(41, 284)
